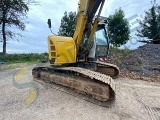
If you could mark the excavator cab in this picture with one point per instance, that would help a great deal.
(67, 54)
(102, 44)
(100, 48)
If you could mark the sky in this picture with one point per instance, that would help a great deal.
(34, 38)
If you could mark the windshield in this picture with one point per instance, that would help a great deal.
(102, 44)
(101, 38)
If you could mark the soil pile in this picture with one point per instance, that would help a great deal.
(144, 61)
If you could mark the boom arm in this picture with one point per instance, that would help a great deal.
(86, 13)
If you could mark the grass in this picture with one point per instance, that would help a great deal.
(23, 58)
(12, 61)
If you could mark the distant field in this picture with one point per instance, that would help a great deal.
(23, 58)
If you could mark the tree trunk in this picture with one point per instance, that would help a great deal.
(4, 38)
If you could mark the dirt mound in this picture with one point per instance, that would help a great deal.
(144, 61)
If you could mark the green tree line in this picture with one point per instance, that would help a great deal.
(31, 57)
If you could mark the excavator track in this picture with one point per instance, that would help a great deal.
(98, 88)
(107, 69)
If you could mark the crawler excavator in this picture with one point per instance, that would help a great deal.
(73, 60)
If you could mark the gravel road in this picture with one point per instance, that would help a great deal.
(135, 100)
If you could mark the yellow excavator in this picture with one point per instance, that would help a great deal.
(74, 60)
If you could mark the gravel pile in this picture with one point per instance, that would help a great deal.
(143, 61)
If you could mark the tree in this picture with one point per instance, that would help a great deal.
(118, 28)
(150, 26)
(68, 24)
(11, 14)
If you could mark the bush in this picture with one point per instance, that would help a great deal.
(115, 51)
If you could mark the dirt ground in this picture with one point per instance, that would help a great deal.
(135, 100)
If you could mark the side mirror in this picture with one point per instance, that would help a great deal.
(49, 23)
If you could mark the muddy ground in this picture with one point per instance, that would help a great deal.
(135, 100)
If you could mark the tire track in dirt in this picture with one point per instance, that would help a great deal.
(152, 111)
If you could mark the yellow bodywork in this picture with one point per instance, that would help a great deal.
(81, 20)
(62, 50)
